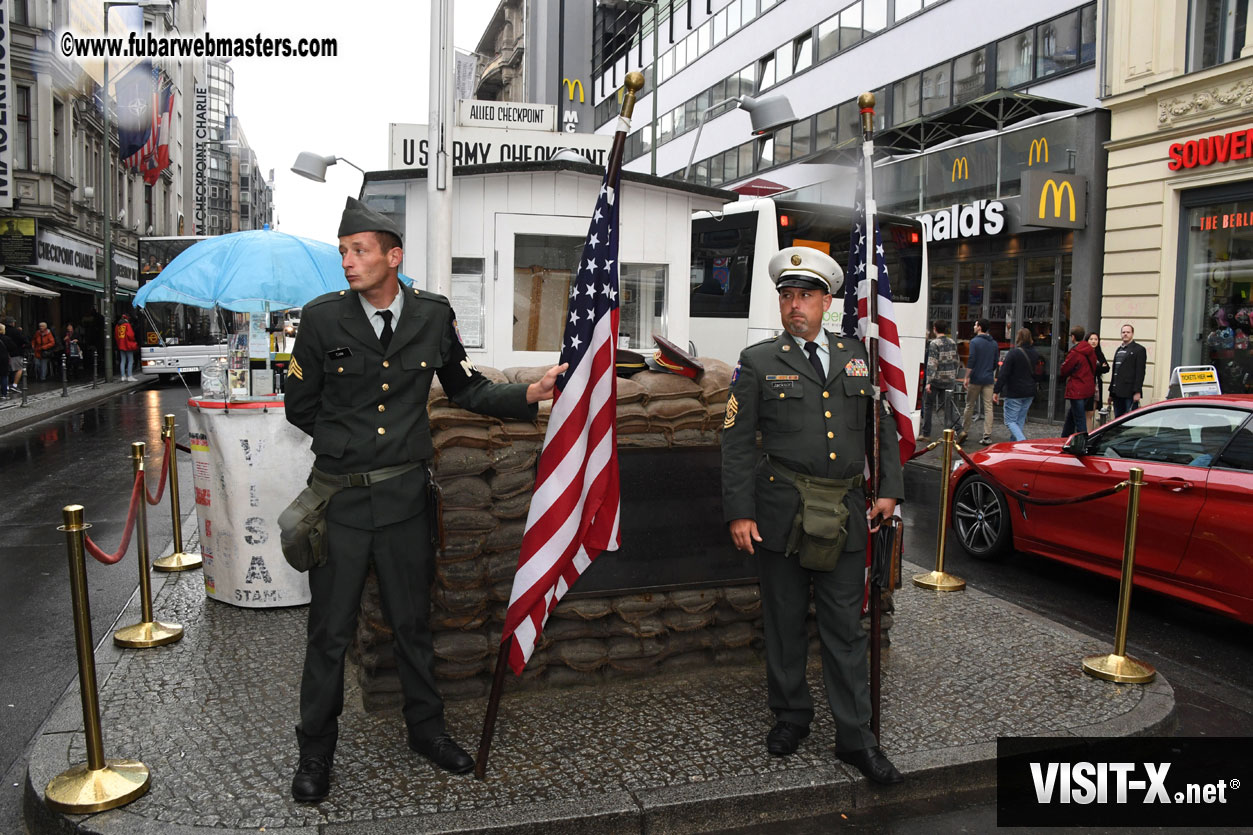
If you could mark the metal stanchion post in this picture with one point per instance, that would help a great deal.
(98, 784)
(95, 367)
(938, 580)
(149, 633)
(65, 379)
(25, 374)
(178, 561)
(1118, 666)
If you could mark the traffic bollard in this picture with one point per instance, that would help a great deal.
(1118, 666)
(177, 561)
(65, 380)
(25, 374)
(97, 784)
(148, 633)
(95, 368)
(938, 580)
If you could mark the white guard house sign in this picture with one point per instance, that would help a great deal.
(506, 115)
(407, 146)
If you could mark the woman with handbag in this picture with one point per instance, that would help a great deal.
(1016, 382)
(1102, 368)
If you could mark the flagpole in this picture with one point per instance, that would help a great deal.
(865, 103)
(633, 83)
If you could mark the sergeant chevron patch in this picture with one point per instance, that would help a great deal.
(294, 370)
(733, 407)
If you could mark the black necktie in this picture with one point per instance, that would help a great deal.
(811, 348)
(386, 336)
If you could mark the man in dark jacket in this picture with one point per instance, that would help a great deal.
(1079, 371)
(1127, 384)
(808, 392)
(358, 382)
(980, 376)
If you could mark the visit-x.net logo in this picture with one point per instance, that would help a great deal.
(1123, 782)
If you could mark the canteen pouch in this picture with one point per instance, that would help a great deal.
(302, 527)
(822, 522)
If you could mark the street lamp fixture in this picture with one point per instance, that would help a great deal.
(767, 114)
(154, 5)
(313, 166)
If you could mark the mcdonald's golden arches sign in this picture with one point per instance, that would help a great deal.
(1054, 200)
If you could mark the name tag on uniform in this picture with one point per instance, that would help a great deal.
(856, 368)
(339, 353)
(785, 382)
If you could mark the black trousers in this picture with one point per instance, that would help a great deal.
(837, 598)
(405, 564)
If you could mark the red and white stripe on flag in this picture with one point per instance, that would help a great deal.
(575, 509)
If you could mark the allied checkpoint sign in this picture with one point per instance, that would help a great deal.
(248, 463)
(407, 145)
(1196, 380)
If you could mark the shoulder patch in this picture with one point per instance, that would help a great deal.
(735, 375)
(733, 408)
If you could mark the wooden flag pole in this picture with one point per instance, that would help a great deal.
(633, 83)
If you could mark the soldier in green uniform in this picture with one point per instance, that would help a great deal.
(357, 383)
(800, 506)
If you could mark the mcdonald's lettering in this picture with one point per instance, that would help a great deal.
(1226, 147)
(571, 86)
(982, 217)
(1039, 151)
(1050, 185)
(961, 169)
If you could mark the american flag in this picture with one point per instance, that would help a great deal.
(575, 509)
(857, 319)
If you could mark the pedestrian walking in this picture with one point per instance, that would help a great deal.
(941, 377)
(7, 349)
(1126, 384)
(44, 344)
(800, 508)
(1079, 371)
(362, 360)
(1016, 383)
(980, 377)
(73, 349)
(124, 339)
(18, 356)
(1102, 368)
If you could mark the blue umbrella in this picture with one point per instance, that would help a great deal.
(249, 272)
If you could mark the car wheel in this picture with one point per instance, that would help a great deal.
(981, 519)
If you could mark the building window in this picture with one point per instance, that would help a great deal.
(544, 266)
(1215, 292)
(21, 145)
(850, 26)
(61, 160)
(1059, 45)
(1215, 31)
(970, 76)
(935, 89)
(643, 303)
(1015, 57)
(907, 99)
(19, 12)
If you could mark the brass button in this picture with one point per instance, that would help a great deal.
(382, 408)
(863, 391)
(424, 364)
(787, 347)
(826, 394)
(782, 395)
(832, 454)
(839, 344)
(341, 369)
(383, 431)
(829, 434)
(341, 292)
(826, 414)
(386, 387)
(772, 478)
(385, 365)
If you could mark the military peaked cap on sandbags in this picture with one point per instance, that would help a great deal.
(803, 266)
(358, 217)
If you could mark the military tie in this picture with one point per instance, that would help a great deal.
(386, 336)
(811, 348)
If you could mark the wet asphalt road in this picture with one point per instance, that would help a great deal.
(83, 458)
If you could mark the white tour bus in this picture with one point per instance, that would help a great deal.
(734, 303)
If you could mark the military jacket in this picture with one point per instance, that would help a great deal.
(812, 426)
(366, 408)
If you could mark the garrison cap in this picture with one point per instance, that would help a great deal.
(674, 360)
(358, 217)
(803, 266)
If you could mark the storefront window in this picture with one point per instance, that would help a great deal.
(643, 303)
(971, 292)
(1002, 302)
(1060, 342)
(941, 299)
(543, 267)
(1218, 292)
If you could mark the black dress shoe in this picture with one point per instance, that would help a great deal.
(313, 778)
(784, 738)
(872, 763)
(442, 751)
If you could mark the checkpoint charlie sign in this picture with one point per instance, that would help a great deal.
(508, 115)
(407, 145)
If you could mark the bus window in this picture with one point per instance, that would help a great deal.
(722, 265)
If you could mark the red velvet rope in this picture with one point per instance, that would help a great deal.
(182, 448)
(1024, 498)
(165, 471)
(96, 551)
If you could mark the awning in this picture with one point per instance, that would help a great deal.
(995, 111)
(759, 188)
(76, 283)
(12, 285)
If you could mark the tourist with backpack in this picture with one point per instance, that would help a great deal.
(1016, 382)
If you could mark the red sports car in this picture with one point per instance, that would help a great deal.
(1195, 533)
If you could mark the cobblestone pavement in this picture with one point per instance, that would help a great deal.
(212, 716)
